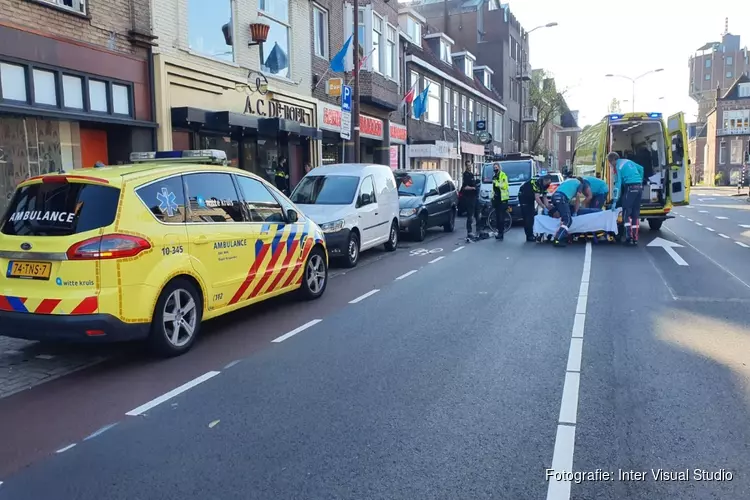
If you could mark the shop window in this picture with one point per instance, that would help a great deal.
(260, 204)
(268, 156)
(274, 53)
(13, 82)
(222, 143)
(72, 91)
(45, 89)
(210, 28)
(120, 99)
(213, 198)
(98, 96)
(165, 199)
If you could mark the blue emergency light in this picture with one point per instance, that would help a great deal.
(615, 117)
(209, 156)
(654, 115)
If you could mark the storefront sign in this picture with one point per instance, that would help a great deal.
(472, 149)
(397, 133)
(394, 157)
(271, 108)
(330, 119)
(441, 149)
(333, 86)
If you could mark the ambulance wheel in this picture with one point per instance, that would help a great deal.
(315, 279)
(177, 319)
(655, 224)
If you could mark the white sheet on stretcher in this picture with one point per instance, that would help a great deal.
(606, 220)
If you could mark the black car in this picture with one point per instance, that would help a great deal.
(427, 198)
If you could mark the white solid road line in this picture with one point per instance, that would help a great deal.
(722, 218)
(562, 456)
(364, 296)
(297, 330)
(436, 260)
(169, 395)
(406, 275)
(459, 248)
(709, 229)
(724, 236)
(742, 244)
(66, 448)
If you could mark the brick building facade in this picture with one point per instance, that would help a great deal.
(382, 131)
(217, 88)
(728, 134)
(75, 85)
(567, 138)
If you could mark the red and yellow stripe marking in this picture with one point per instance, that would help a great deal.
(9, 303)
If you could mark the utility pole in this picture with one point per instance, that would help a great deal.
(355, 104)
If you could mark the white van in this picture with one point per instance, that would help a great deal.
(355, 204)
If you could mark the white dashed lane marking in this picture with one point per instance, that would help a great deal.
(364, 296)
(722, 218)
(406, 275)
(698, 224)
(742, 244)
(709, 229)
(724, 236)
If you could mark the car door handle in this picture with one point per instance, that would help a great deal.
(200, 240)
(376, 213)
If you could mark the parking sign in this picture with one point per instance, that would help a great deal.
(346, 99)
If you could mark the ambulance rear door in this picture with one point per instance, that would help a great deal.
(679, 165)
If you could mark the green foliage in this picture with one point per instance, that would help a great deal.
(550, 105)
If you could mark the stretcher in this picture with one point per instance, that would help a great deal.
(598, 226)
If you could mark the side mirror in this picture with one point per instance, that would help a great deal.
(292, 215)
(364, 199)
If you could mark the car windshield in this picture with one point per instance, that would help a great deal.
(326, 190)
(517, 171)
(410, 184)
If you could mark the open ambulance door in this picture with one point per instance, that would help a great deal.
(679, 171)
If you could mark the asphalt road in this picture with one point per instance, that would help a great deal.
(461, 377)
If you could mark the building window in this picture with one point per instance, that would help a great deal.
(45, 87)
(78, 6)
(736, 152)
(210, 28)
(455, 111)
(498, 130)
(729, 60)
(568, 143)
(736, 119)
(120, 99)
(471, 116)
(445, 51)
(98, 96)
(446, 107)
(72, 91)
(463, 113)
(377, 35)
(320, 27)
(13, 82)
(729, 74)
(414, 30)
(486, 79)
(274, 52)
(708, 76)
(433, 101)
(722, 153)
(391, 56)
(744, 89)
(708, 63)
(469, 67)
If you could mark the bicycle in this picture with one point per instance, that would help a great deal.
(491, 221)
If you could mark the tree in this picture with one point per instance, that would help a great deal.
(549, 103)
(614, 106)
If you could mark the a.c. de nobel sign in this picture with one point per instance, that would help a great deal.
(276, 109)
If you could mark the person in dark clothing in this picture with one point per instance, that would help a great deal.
(531, 193)
(469, 195)
(281, 176)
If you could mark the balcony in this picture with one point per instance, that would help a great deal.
(524, 72)
(530, 115)
(733, 131)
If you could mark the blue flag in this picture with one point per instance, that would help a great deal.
(420, 103)
(338, 61)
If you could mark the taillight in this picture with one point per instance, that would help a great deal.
(54, 179)
(111, 246)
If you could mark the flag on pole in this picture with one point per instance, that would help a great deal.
(420, 103)
(408, 97)
(338, 61)
(363, 60)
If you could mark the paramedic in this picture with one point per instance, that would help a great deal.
(596, 192)
(567, 191)
(500, 196)
(469, 197)
(531, 191)
(627, 190)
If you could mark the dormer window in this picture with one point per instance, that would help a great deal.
(469, 67)
(413, 29)
(465, 60)
(445, 51)
(744, 89)
(484, 73)
(411, 25)
(441, 44)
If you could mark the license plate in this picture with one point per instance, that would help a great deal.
(29, 270)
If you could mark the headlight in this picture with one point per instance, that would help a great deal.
(407, 212)
(332, 227)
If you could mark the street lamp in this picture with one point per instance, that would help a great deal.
(521, 125)
(633, 80)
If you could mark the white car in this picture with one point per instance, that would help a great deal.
(355, 204)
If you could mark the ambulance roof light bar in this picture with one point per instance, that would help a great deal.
(620, 116)
(204, 156)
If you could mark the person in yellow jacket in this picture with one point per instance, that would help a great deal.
(500, 196)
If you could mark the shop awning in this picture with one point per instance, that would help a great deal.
(223, 120)
(185, 117)
(311, 132)
(227, 120)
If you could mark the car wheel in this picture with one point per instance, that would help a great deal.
(315, 279)
(421, 232)
(655, 224)
(352, 250)
(392, 242)
(451, 224)
(177, 319)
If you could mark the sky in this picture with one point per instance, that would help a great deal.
(594, 38)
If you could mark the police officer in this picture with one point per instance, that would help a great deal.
(469, 194)
(281, 175)
(531, 192)
(627, 190)
(500, 196)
